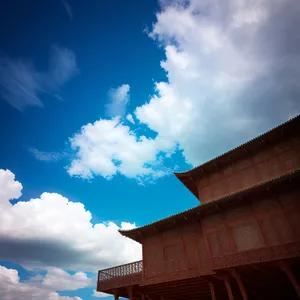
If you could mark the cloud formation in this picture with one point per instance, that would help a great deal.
(21, 84)
(233, 72)
(12, 289)
(108, 147)
(118, 101)
(52, 231)
(60, 280)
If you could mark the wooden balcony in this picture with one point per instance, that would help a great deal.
(120, 276)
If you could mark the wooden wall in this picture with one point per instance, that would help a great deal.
(181, 250)
(186, 249)
(266, 164)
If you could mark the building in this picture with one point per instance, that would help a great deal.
(241, 242)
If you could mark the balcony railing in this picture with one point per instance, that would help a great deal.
(123, 270)
(120, 276)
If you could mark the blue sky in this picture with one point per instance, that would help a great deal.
(101, 101)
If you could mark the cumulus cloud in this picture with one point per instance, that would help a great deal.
(21, 84)
(52, 231)
(108, 147)
(118, 100)
(233, 72)
(60, 280)
(232, 69)
(12, 289)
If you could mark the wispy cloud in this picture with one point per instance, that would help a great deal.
(47, 156)
(62, 65)
(68, 8)
(21, 84)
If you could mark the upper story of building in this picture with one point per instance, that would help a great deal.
(267, 156)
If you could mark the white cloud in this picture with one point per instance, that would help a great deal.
(60, 280)
(233, 72)
(9, 187)
(12, 289)
(118, 101)
(21, 84)
(52, 231)
(99, 294)
(108, 147)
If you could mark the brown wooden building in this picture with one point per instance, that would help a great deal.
(241, 242)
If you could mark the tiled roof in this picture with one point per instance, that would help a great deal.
(188, 177)
(137, 234)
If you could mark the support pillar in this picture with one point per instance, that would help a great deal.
(116, 295)
(212, 291)
(130, 292)
(237, 277)
(143, 297)
(226, 279)
(287, 270)
(228, 288)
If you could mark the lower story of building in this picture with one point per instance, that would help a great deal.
(278, 279)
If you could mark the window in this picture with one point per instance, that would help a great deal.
(246, 237)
